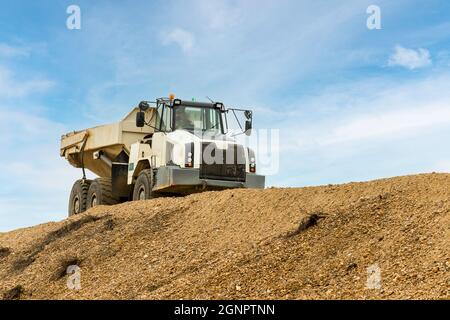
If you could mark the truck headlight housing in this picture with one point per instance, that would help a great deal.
(252, 160)
(189, 155)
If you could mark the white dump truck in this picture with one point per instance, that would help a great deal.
(166, 147)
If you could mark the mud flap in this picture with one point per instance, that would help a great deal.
(119, 175)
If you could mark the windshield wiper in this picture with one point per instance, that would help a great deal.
(213, 127)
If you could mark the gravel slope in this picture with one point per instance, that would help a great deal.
(297, 243)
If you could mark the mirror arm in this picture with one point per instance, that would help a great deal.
(239, 123)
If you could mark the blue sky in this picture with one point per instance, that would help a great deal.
(351, 104)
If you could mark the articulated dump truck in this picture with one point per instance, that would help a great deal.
(166, 147)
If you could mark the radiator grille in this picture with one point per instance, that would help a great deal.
(222, 164)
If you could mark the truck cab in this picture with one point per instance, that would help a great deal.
(191, 151)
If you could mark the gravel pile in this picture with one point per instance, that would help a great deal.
(384, 239)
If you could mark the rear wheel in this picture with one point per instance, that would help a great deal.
(143, 186)
(78, 196)
(100, 193)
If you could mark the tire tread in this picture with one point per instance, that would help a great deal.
(83, 185)
(105, 188)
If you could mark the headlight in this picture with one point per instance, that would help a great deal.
(251, 156)
(189, 147)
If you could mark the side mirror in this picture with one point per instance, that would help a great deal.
(143, 106)
(140, 119)
(248, 127)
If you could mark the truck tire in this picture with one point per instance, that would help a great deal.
(143, 186)
(78, 196)
(100, 193)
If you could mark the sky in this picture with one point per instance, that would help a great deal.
(349, 103)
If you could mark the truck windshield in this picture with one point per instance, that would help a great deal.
(197, 118)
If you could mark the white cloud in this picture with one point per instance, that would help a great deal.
(242, 52)
(219, 14)
(181, 37)
(36, 181)
(388, 124)
(9, 51)
(367, 129)
(12, 87)
(368, 109)
(34, 184)
(410, 58)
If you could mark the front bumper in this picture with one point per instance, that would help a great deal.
(178, 179)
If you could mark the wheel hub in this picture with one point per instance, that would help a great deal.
(94, 201)
(142, 193)
(76, 205)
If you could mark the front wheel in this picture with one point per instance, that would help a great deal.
(143, 186)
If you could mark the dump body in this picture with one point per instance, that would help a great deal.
(114, 139)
